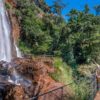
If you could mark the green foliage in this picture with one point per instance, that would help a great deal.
(84, 37)
(72, 42)
(57, 7)
(97, 9)
(45, 31)
(63, 72)
(81, 86)
(32, 32)
(24, 48)
(8, 6)
(83, 90)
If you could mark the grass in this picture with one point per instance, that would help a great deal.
(63, 73)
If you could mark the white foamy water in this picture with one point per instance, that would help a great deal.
(17, 51)
(5, 34)
(18, 80)
(5, 43)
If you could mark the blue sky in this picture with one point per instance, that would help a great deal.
(77, 4)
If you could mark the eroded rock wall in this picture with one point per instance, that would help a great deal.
(15, 28)
(14, 21)
(37, 71)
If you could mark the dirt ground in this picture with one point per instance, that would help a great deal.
(97, 96)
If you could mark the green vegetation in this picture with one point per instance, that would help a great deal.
(8, 6)
(63, 72)
(73, 43)
(44, 31)
(81, 87)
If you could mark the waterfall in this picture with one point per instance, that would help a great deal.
(6, 50)
(5, 36)
(5, 43)
(17, 51)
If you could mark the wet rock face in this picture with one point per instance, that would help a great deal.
(5, 88)
(28, 78)
(14, 26)
(33, 68)
(12, 2)
(13, 20)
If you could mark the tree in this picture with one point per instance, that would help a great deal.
(58, 6)
(84, 34)
(76, 41)
(86, 9)
(97, 9)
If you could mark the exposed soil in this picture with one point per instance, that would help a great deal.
(30, 78)
(97, 96)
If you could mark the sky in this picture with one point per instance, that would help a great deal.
(76, 4)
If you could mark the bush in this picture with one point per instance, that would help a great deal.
(82, 86)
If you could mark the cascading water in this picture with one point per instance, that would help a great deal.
(6, 45)
(5, 36)
(5, 41)
(17, 51)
